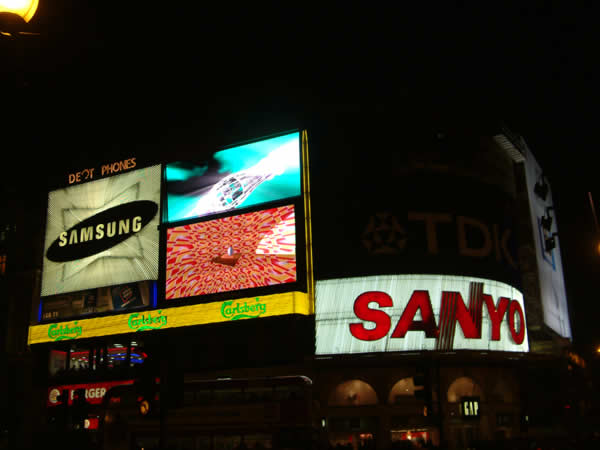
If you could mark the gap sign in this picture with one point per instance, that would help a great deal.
(418, 312)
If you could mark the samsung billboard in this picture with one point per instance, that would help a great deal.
(391, 313)
(102, 233)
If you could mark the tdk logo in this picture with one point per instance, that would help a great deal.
(102, 231)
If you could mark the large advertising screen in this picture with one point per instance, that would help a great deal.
(547, 246)
(102, 233)
(392, 313)
(228, 254)
(233, 178)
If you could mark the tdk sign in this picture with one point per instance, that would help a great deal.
(102, 231)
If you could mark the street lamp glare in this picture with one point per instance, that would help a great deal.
(23, 8)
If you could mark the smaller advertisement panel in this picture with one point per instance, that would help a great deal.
(547, 246)
(233, 178)
(94, 392)
(182, 316)
(418, 312)
(91, 301)
(245, 251)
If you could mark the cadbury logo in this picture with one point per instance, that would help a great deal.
(102, 231)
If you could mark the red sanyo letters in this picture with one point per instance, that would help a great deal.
(452, 310)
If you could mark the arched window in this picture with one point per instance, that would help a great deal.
(402, 389)
(463, 387)
(353, 393)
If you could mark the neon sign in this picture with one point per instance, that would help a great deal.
(243, 310)
(141, 322)
(63, 332)
(204, 313)
(418, 312)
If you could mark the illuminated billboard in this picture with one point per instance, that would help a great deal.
(102, 233)
(94, 392)
(249, 250)
(418, 312)
(230, 310)
(100, 300)
(236, 177)
(547, 249)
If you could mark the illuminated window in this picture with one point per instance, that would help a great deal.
(463, 387)
(79, 358)
(57, 361)
(138, 355)
(116, 355)
(401, 390)
(98, 358)
(353, 393)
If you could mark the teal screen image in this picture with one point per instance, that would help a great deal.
(236, 177)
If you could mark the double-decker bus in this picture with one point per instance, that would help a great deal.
(214, 414)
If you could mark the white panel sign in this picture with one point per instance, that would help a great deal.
(550, 270)
(418, 312)
(102, 233)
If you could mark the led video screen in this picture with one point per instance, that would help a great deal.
(118, 298)
(236, 177)
(102, 233)
(239, 252)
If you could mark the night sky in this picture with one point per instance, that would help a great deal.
(101, 76)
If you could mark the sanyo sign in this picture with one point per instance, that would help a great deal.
(418, 312)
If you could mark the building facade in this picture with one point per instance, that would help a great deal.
(398, 285)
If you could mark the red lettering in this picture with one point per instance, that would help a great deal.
(381, 319)
(519, 336)
(418, 300)
(496, 314)
(467, 324)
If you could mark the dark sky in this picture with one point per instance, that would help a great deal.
(105, 73)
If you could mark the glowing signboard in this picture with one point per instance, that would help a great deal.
(228, 310)
(238, 252)
(233, 178)
(102, 233)
(418, 312)
(94, 392)
(469, 407)
(547, 246)
(100, 300)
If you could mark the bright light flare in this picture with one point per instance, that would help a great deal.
(24, 8)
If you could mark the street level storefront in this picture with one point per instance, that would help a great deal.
(377, 401)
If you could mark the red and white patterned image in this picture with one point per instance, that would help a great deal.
(238, 252)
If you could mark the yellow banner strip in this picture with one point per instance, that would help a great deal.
(182, 316)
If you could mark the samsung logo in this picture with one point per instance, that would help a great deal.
(87, 234)
(102, 231)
